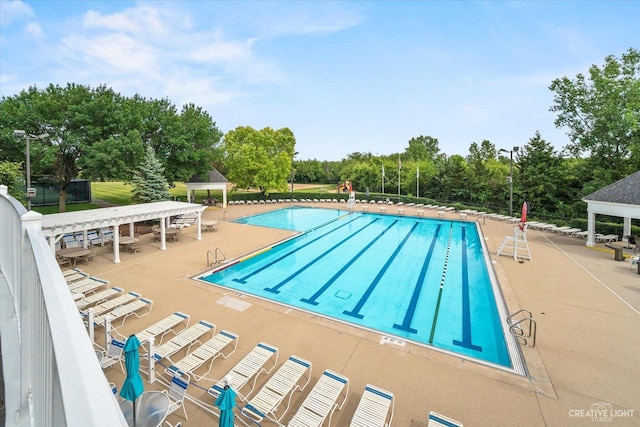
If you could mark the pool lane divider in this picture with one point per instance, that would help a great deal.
(417, 290)
(276, 289)
(442, 279)
(356, 310)
(344, 268)
(243, 279)
(467, 341)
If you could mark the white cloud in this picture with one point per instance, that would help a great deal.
(120, 52)
(223, 50)
(33, 29)
(13, 10)
(142, 20)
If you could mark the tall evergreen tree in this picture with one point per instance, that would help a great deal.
(149, 183)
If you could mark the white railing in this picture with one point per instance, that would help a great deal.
(51, 373)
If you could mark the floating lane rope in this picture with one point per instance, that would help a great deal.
(444, 274)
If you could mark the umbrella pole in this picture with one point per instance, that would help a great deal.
(134, 412)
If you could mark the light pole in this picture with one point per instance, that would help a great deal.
(292, 174)
(22, 134)
(502, 150)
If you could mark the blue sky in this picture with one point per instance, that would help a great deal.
(359, 76)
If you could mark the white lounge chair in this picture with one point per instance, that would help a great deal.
(113, 354)
(247, 369)
(375, 408)
(322, 401)
(125, 311)
(77, 275)
(176, 393)
(206, 353)
(111, 304)
(88, 285)
(607, 238)
(438, 420)
(184, 339)
(162, 327)
(87, 301)
(570, 231)
(71, 271)
(283, 383)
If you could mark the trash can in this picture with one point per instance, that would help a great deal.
(618, 254)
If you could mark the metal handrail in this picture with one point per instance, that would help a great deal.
(517, 328)
(214, 255)
(218, 260)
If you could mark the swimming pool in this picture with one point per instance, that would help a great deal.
(420, 279)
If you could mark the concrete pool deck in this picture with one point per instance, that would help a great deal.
(586, 305)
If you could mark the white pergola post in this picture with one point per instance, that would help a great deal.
(116, 244)
(591, 228)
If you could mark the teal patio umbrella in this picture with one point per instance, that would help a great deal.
(226, 402)
(132, 387)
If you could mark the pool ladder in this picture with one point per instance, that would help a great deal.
(523, 327)
(214, 255)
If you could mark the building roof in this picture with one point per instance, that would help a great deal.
(625, 191)
(68, 222)
(212, 176)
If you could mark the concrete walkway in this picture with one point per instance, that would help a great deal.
(586, 305)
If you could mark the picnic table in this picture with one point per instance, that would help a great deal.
(73, 254)
(209, 225)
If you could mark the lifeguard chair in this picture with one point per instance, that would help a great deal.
(516, 245)
(351, 203)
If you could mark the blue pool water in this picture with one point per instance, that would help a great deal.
(294, 218)
(420, 279)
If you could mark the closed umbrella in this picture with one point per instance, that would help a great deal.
(226, 402)
(132, 387)
(523, 218)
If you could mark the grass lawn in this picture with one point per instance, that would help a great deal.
(119, 193)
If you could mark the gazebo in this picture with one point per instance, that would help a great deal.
(621, 199)
(213, 180)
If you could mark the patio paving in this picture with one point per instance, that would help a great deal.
(586, 305)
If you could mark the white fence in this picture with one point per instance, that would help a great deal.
(51, 373)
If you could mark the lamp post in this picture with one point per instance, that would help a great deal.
(22, 134)
(292, 174)
(502, 150)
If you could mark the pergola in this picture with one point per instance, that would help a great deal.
(213, 181)
(54, 226)
(621, 199)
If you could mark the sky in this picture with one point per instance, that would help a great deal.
(345, 77)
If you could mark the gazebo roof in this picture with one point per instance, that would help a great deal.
(213, 176)
(625, 191)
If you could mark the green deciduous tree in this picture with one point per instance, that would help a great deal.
(422, 148)
(259, 159)
(602, 114)
(538, 178)
(96, 133)
(11, 176)
(148, 182)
